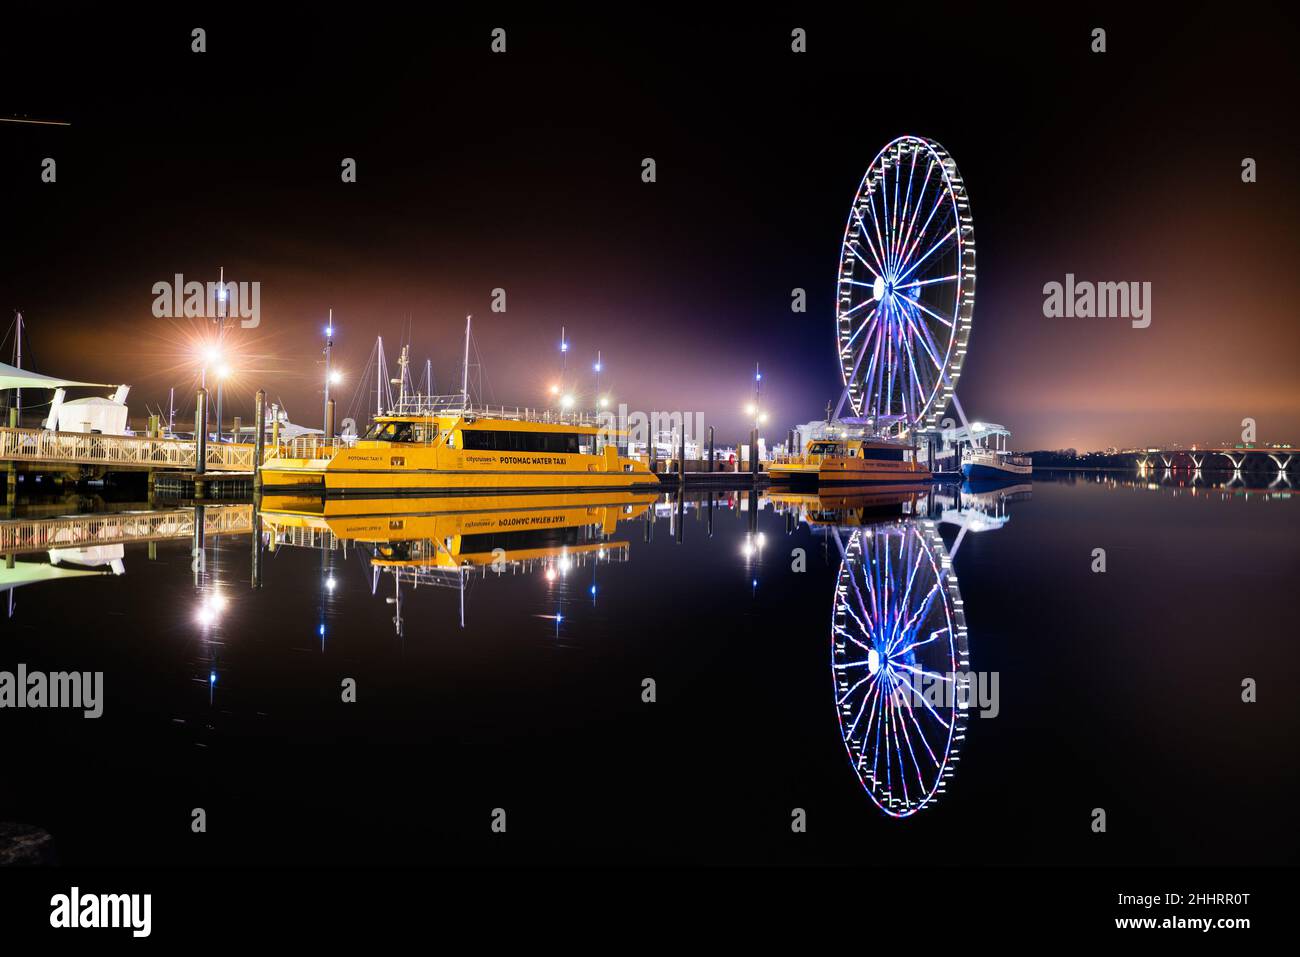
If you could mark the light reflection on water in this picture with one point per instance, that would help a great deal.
(463, 600)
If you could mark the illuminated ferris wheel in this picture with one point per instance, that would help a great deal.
(901, 664)
(906, 289)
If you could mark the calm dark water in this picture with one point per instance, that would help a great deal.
(1118, 690)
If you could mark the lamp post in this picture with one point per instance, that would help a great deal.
(329, 345)
(221, 339)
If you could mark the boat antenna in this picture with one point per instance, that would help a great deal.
(464, 376)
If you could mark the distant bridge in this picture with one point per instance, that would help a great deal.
(1218, 458)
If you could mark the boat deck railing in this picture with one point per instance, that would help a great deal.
(435, 405)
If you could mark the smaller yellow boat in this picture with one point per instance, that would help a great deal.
(851, 461)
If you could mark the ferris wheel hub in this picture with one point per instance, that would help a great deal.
(878, 288)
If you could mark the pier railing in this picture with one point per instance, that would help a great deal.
(88, 448)
(117, 528)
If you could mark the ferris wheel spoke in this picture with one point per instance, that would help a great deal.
(915, 620)
(865, 322)
(864, 235)
(875, 225)
(861, 625)
(852, 377)
(920, 388)
(907, 200)
(922, 333)
(920, 733)
(902, 769)
(921, 282)
(848, 312)
(856, 685)
(895, 222)
(904, 601)
(912, 268)
(867, 699)
(907, 738)
(861, 258)
(916, 210)
(922, 324)
(925, 701)
(934, 636)
(910, 251)
(884, 199)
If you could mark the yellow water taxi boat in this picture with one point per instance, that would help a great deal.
(457, 452)
(848, 461)
(459, 531)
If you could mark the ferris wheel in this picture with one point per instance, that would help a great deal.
(901, 664)
(906, 290)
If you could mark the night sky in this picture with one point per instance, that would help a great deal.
(522, 171)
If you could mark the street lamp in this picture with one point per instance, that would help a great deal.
(329, 345)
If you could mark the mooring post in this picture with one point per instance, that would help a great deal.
(255, 578)
(201, 432)
(710, 450)
(681, 458)
(789, 443)
(329, 419)
(259, 437)
(13, 417)
(753, 452)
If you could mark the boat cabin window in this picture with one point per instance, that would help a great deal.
(825, 448)
(400, 432)
(883, 455)
(491, 440)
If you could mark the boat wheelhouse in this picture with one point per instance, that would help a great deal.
(842, 460)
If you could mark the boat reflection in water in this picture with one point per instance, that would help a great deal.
(444, 541)
(899, 651)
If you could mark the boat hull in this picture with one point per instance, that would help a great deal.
(847, 473)
(335, 482)
(999, 472)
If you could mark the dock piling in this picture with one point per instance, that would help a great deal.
(200, 431)
(259, 437)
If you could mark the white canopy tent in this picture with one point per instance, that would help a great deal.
(13, 378)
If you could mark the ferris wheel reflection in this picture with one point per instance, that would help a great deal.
(901, 662)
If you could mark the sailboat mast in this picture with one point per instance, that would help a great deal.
(18, 362)
(464, 377)
(380, 372)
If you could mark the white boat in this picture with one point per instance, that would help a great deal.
(981, 463)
